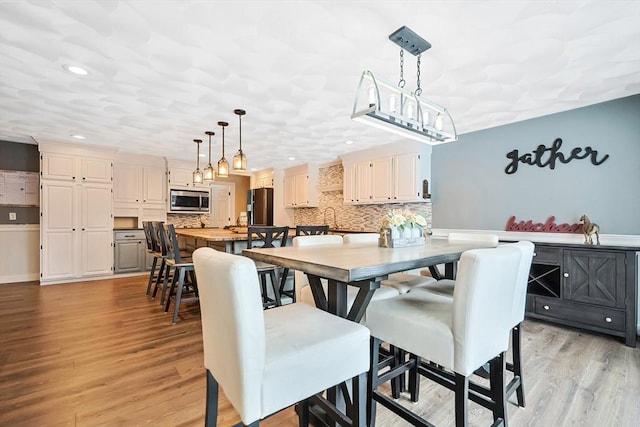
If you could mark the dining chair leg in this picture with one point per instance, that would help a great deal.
(176, 307)
(165, 285)
(303, 413)
(172, 289)
(461, 394)
(496, 379)
(211, 410)
(517, 364)
(152, 273)
(414, 378)
(359, 400)
(372, 379)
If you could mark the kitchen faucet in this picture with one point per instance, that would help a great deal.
(324, 217)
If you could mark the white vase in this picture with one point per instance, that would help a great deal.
(406, 233)
(415, 233)
(395, 233)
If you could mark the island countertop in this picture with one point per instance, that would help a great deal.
(213, 234)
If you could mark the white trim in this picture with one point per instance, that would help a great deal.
(19, 227)
(77, 279)
(567, 238)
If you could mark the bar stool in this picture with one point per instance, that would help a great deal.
(459, 334)
(311, 230)
(267, 360)
(184, 278)
(153, 248)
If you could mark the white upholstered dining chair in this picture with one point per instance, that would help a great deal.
(459, 334)
(267, 360)
(446, 287)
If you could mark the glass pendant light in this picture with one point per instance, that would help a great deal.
(197, 174)
(240, 160)
(223, 164)
(209, 172)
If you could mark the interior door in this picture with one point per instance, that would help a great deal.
(220, 206)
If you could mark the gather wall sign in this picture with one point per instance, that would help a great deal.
(548, 156)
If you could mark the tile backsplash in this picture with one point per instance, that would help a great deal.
(187, 220)
(349, 217)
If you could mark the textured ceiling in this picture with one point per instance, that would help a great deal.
(163, 72)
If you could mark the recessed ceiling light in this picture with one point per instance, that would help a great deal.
(254, 169)
(292, 158)
(75, 69)
(76, 136)
(349, 142)
(203, 155)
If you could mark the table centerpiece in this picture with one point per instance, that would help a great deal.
(402, 228)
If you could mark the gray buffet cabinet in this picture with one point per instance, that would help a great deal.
(589, 287)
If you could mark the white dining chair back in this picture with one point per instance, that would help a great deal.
(363, 238)
(518, 308)
(268, 360)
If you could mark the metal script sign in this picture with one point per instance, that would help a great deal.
(548, 156)
(548, 227)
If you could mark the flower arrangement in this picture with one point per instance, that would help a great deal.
(403, 218)
(401, 228)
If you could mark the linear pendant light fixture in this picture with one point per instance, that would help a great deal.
(197, 174)
(209, 173)
(398, 110)
(240, 160)
(223, 164)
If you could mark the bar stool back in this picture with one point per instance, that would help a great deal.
(268, 237)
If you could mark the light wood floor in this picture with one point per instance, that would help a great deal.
(102, 353)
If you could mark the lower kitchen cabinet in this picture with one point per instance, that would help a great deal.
(592, 288)
(130, 251)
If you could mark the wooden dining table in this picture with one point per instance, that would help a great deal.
(361, 265)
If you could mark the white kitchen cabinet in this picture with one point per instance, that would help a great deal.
(69, 167)
(183, 178)
(349, 184)
(300, 187)
(58, 229)
(386, 175)
(76, 225)
(76, 230)
(139, 189)
(407, 182)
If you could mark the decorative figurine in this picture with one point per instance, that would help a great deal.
(589, 229)
(384, 238)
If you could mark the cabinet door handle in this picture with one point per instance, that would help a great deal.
(73, 229)
(608, 319)
(546, 307)
(83, 178)
(566, 274)
(534, 254)
(83, 229)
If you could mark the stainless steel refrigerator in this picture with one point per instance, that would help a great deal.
(260, 206)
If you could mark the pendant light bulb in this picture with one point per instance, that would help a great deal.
(209, 173)
(223, 164)
(197, 174)
(240, 160)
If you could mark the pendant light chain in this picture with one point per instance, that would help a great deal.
(418, 88)
(402, 82)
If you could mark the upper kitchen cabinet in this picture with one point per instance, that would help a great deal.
(140, 187)
(263, 179)
(300, 186)
(390, 173)
(70, 167)
(182, 177)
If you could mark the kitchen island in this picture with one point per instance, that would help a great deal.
(232, 240)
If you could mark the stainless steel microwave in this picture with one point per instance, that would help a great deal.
(189, 201)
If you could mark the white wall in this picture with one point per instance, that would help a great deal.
(19, 253)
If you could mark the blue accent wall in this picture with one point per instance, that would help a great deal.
(471, 190)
